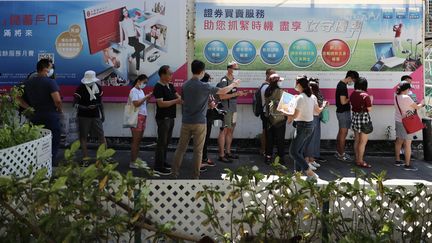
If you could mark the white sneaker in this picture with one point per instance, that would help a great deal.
(314, 177)
(312, 167)
(132, 165)
(315, 164)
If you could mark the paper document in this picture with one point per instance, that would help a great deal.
(287, 104)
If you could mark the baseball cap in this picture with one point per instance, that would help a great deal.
(276, 77)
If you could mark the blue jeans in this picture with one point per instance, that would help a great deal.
(298, 144)
(51, 121)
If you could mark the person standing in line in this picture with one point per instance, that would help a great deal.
(129, 32)
(413, 96)
(343, 113)
(88, 100)
(276, 120)
(195, 104)
(206, 161)
(229, 102)
(43, 95)
(264, 120)
(303, 116)
(313, 145)
(361, 103)
(404, 106)
(139, 99)
(167, 99)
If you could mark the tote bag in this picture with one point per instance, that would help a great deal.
(325, 115)
(130, 115)
(413, 123)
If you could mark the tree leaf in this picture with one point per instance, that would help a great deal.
(59, 184)
(103, 182)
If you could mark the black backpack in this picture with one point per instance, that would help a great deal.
(257, 103)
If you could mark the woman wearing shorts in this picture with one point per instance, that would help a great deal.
(404, 106)
(139, 100)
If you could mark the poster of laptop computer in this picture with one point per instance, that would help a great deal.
(385, 53)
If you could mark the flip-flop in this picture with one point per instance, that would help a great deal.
(364, 165)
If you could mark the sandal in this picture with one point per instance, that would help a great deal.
(363, 164)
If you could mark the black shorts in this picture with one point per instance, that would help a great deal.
(88, 125)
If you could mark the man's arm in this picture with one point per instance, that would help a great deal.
(164, 104)
(57, 101)
(22, 102)
(344, 99)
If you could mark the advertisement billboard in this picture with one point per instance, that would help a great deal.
(381, 42)
(119, 40)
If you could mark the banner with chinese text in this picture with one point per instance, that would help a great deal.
(119, 40)
(381, 42)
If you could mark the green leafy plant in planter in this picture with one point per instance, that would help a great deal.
(289, 209)
(93, 204)
(12, 132)
(264, 212)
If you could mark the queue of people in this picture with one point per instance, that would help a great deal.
(202, 104)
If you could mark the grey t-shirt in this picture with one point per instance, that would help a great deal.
(195, 97)
(229, 105)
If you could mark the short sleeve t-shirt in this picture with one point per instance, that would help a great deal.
(305, 105)
(37, 91)
(166, 92)
(229, 104)
(360, 101)
(405, 103)
(138, 94)
(83, 97)
(341, 90)
(315, 99)
(195, 97)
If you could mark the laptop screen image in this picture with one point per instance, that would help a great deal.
(383, 50)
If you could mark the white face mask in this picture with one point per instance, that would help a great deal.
(50, 72)
(201, 76)
(142, 86)
(235, 73)
(297, 88)
(280, 84)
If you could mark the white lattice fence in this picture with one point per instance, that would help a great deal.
(174, 200)
(18, 159)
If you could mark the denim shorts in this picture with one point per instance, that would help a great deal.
(344, 119)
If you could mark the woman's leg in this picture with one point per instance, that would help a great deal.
(407, 148)
(362, 146)
(207, 139)
(398, 145)
(356, 147)
(136, 139)
(280, 142)
(269, 144)
(139, 47)
(297, 147)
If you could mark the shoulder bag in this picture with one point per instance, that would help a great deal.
(412, 123)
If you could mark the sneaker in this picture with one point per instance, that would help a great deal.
(312, 167)
(314, 177)
(208, 163)
(232, 156)
(320, 160)
(203, 169)
(162, 171)
(399, 163)
(225, 159)
(344, 157)
(315, 164)
(167, 166)
(410, 168)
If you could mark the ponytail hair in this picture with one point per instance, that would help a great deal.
(404, 85)
(304, 83)
(141, 77)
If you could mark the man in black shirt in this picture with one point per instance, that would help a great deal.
(88, 99)
(343, 113)
(167, 99)
(42, 94)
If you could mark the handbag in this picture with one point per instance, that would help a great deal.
(325, 115)
(412, 123)
(130, 115)
(367, 128)
(72, 130)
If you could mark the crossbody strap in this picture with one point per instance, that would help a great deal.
(400, 111)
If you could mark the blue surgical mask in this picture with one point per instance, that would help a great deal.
(142, 86)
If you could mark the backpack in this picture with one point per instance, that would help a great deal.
(275, 117)
(257, 103)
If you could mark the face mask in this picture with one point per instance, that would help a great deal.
(280, 83)
(201, 76)
(297, 88)
(235, 73)
(142, 86)
(50, 72)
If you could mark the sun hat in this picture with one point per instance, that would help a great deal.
(275, 77)
(89, 77)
